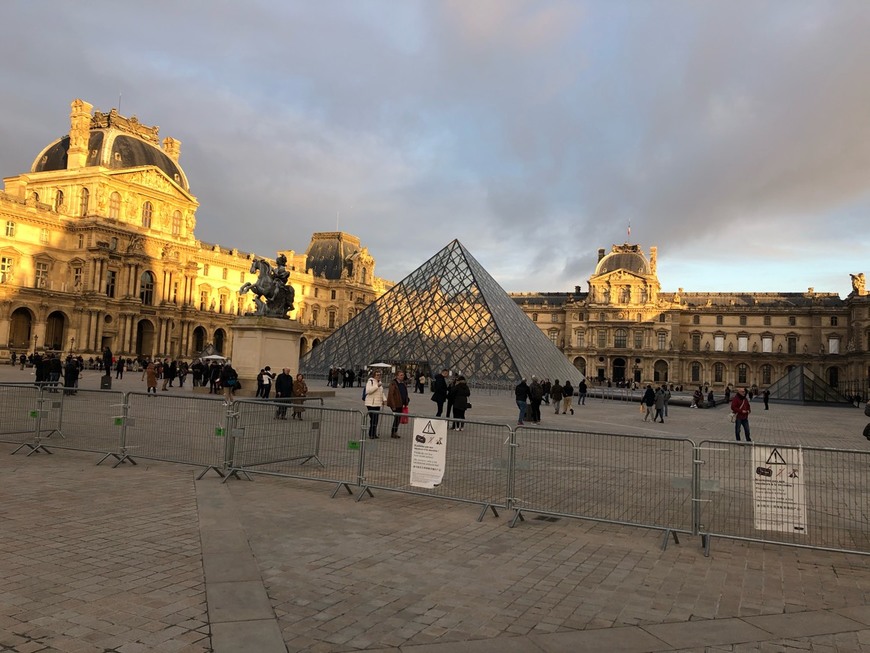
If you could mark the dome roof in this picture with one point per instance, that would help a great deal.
(624, 257)
(330, 253)
(112, 149)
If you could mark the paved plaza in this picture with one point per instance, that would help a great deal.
(144, 558)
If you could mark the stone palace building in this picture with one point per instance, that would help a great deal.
(97, 248)
(624, 327)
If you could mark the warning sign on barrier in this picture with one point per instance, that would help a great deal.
(778, 489)
(428, 452)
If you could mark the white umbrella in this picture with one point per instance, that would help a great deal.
(214, 357)
(380, 365)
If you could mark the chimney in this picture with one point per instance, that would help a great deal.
(600, 253)
(79, 134)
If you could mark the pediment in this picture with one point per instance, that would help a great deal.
(153, 179)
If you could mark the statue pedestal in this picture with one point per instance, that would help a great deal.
(261, 341)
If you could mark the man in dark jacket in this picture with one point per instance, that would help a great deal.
(283, 392)
(536, 395)
(397, 399)
(521, 392)
(649, 399)
(439, 391)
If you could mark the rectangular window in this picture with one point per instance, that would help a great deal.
(77, 277)
(81, 241)
(602, 338)
(742, 373)
(792, 344)
(5, 269)
(43, 236)
(315, 314)
(833, 345)
(203, 300)
(696, 372)
(332, 317)
(766, 320)
(332, 294)
(791, 320)
(222, 303)
(696, 342)
(638, 339)
(742, 343)
(662, 340)
(41, 280)
(10, 229)
(316, 292)
(719, 320)
(224, 274)
(174, 292)
(111, 280)
(554, 317)
(767, 344)
(554, 337)
(742, 320)
(205, 269)
(620, 339)
(718, 343)
(580, 339)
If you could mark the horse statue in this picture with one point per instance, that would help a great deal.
(273, 296)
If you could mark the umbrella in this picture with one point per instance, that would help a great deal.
(214, 357)
(380, 365)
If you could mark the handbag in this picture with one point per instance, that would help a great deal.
(468, 407)
(733, 417)
(404, 418)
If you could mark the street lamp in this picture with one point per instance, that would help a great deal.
(72, 344)
(35, 340)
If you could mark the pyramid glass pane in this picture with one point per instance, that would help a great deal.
(803, 385)
(448, 313)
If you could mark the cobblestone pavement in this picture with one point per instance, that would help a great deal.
(96, 559)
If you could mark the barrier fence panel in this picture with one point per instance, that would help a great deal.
(85, 420)
(637, 480)
(301, 441)
(179, 429)
(800, 496)
(21, 403)
(475, 467)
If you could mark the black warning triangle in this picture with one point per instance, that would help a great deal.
(430, 430)
(775, 458)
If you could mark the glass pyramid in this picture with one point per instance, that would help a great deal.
(803, 385)
(447, 314)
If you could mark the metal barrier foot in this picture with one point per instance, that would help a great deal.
(312, 458)
(346, 486)
(483, 512)
(668, 531)
(365, 491)
(121, 458)
(219, 473)
(58, 431)
(517, 517)
(34, 448)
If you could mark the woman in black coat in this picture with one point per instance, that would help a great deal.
(460, 393)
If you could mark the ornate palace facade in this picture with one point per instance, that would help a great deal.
(625, 328)
(97, 248)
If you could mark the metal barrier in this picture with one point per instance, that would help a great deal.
(293, 440)
(187, 430)
(476, 465)
(84, 420)
(623, 479)
(798, 496)
(19, 402)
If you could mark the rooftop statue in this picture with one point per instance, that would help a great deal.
(273, 296)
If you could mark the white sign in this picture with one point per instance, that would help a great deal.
(778, 489)
(429, 452)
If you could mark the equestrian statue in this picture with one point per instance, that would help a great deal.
(273, 296)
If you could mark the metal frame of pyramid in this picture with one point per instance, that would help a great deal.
(451, 314)
(801, 384)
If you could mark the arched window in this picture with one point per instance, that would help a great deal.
(719, 373)
(58, 201)
(620, 339)
(766, 374)
(176, 224)
(86, 199)
(115, 205)
(147, 212)
(696, 372)
(146, 288)
(742, 373)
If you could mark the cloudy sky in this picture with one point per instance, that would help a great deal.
(735, 136)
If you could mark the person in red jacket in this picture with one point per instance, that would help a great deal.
(741, 409)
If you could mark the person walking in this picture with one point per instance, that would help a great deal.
(521, 393)
(300, 390)
(397, 399)
(150, 378)
(582, 389)
(660, 406)
(536, 395)
(766, 397)
(556, 394)
(266, 382)
(667, 394)
(439, 391)
(567, 397)
(741, 408)
(283, 392)
(461, 393)
(648, 401)
(373, 401)
(229, 378)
